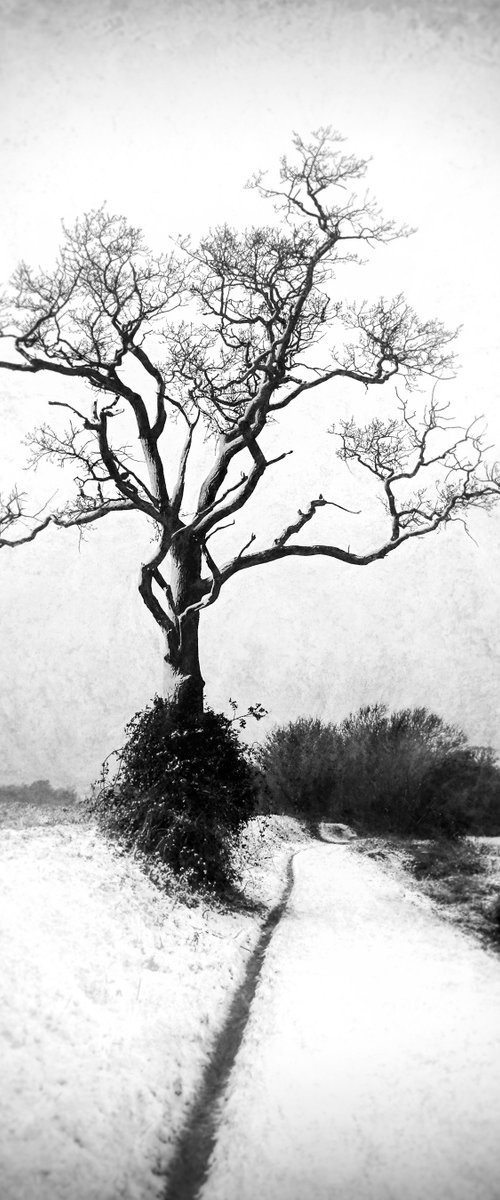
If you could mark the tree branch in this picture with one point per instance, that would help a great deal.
(58, 519)
(178, 492)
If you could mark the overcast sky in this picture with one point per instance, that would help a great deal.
(164, 110)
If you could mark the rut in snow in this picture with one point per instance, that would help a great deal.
(188, 1167)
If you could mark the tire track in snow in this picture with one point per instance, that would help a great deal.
(188, 1168)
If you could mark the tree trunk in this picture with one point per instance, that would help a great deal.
(184, 683)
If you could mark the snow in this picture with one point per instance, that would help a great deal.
(369, 1069)
(111, 995)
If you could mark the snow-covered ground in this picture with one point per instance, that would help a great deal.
(460, 880)
(370, 1067)
(111, 995)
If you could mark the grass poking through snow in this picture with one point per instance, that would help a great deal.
(460, 877)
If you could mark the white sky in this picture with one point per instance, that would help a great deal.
(164, 110)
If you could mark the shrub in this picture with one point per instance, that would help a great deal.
(298, 769)
(406, 772)
(385, 759)
(183, 789)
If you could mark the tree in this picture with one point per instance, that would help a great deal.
(225, 335)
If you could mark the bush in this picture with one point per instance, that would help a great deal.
(298, 769)
(183, 789)
(386, 768)
(406, 772)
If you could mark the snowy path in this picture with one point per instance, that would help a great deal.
(370, 1066)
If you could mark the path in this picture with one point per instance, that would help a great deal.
(370, 1065)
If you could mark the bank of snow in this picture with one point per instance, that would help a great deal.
(111, 995)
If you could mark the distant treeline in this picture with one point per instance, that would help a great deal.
(39, 792)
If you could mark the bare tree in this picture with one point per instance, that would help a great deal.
(225, 335)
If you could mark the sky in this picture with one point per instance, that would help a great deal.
(164, 110)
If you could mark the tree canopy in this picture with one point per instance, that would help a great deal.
(227, 333)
